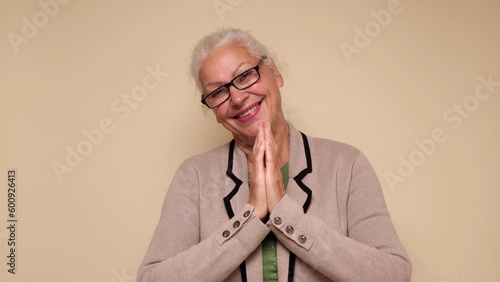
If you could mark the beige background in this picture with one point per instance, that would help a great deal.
(65, 65)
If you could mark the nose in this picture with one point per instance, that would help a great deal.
(237, 96)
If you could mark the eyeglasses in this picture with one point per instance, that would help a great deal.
(240, 82)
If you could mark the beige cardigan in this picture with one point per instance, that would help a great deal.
(333, 224)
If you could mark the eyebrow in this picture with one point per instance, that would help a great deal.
(233, 75)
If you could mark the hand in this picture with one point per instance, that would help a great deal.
(266, 188)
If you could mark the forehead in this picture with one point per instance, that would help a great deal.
(224, 61)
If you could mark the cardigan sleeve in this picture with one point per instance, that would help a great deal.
(176, 252)
(369, 251)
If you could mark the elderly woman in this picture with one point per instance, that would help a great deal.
(273, 204)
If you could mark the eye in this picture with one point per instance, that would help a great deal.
(242, 78)
(218, 93)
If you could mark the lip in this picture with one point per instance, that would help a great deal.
(251, 115)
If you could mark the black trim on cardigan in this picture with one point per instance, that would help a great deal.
(243, 270)
(304, 172)
(229, 172)
(227, 199)
(291, 267)
(298, 179)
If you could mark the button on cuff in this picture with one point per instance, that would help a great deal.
(291, 231)
(302, 239)
(233, 226)
(277, 220)
(236, 224)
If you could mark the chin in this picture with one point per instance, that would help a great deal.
(244, 133)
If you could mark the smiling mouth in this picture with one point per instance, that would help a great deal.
(247, 113)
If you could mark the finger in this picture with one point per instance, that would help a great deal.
(258, 146)
(257, 153)
(275, 189)
(258, 197)
(270, 146)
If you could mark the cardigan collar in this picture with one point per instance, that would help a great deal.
(299, 166)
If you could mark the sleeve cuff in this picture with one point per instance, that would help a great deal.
(285, 220)
(243, 218)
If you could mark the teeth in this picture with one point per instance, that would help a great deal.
(248, 112)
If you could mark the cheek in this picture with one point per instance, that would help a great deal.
(217, 118)
(219, 113)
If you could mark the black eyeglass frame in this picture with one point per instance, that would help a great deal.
(256, 68)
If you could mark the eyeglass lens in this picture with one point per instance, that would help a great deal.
(242, 81)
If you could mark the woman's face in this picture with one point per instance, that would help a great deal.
(245, 108)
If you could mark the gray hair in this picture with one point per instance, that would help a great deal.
(224, 37)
